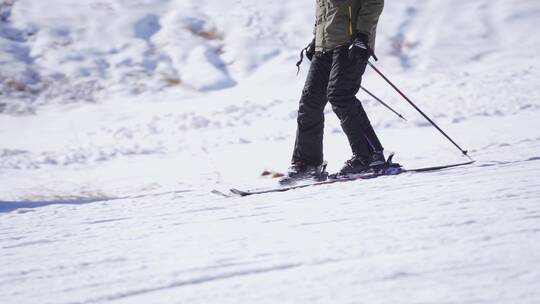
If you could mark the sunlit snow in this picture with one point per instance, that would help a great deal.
(118, 118)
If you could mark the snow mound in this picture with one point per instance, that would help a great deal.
(81, 51)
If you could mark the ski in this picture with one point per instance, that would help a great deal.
(392, 170)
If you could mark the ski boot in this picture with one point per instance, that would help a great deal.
(363, 164)
(375, 164)
(299, 171)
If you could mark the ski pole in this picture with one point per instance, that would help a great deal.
(418, 109)
(383, 103)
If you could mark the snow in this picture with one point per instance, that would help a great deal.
(117, 119)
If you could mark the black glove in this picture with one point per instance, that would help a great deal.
(359, 49)
(310, 50)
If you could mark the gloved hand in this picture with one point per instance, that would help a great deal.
(310, 50)
(359, 49)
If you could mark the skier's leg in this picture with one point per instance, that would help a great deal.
(344, 83)
(308, 148)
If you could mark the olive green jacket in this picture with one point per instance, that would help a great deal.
(339, 21)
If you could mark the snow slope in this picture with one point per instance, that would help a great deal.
(119, 117)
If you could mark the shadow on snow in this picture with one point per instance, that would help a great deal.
(8, 206)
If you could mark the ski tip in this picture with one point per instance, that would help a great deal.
(435, 168)
(238, 192)
(217, 192)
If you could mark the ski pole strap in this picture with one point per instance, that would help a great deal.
(301, 60)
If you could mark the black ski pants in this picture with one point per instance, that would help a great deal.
(333, 78)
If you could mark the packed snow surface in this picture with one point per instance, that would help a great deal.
(118, 118)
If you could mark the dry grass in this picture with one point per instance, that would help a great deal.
(212, 34)
(172, 81)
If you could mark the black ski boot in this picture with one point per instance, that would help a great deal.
(362, 164)
(299, 171)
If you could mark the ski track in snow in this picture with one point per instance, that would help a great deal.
(112, 137)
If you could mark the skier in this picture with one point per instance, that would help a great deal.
(344, 39)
